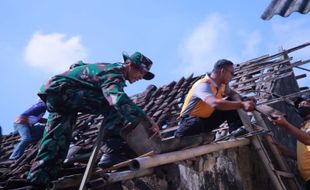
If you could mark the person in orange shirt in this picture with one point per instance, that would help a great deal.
(204, 107)
(302, 135)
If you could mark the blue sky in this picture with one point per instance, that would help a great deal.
(39, 39)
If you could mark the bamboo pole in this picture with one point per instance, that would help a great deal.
(161, 159)
(109, 178)
(127, 162)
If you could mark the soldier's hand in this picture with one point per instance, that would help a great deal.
(248, 105)
(155, 128)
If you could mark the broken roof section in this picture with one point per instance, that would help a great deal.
(163, 104)
(285, 8)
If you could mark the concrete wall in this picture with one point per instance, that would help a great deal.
(231, 169)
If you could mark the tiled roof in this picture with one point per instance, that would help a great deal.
(285, 8)
(163, 104)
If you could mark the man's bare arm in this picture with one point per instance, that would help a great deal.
(222, 104)
(300, 135)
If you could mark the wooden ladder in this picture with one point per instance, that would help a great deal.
(282, 178)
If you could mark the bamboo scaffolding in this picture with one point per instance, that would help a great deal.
(161, 159)
(126, 163)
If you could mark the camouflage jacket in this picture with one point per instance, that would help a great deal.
(107, 77)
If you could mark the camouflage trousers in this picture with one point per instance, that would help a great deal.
(58, 131)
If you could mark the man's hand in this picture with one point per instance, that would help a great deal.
(253, 99)
(155, 129)
(248, 105)
(280, 120)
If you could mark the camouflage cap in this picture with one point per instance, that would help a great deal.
(142, 61)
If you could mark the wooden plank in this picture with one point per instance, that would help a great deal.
(260, 67)
(282, 98)
(297, 77)
(259, 81)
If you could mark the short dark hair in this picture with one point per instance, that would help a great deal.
(222, 63)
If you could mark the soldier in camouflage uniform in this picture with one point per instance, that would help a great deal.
(88, 88)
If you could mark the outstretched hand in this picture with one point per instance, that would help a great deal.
(279, 120)
(155, 128)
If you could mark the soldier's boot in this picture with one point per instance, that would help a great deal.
(114, 152)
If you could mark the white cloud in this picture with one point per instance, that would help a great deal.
(199, 50)
(215, 39)
(252, 41)
(54, 52)
(290, 33)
